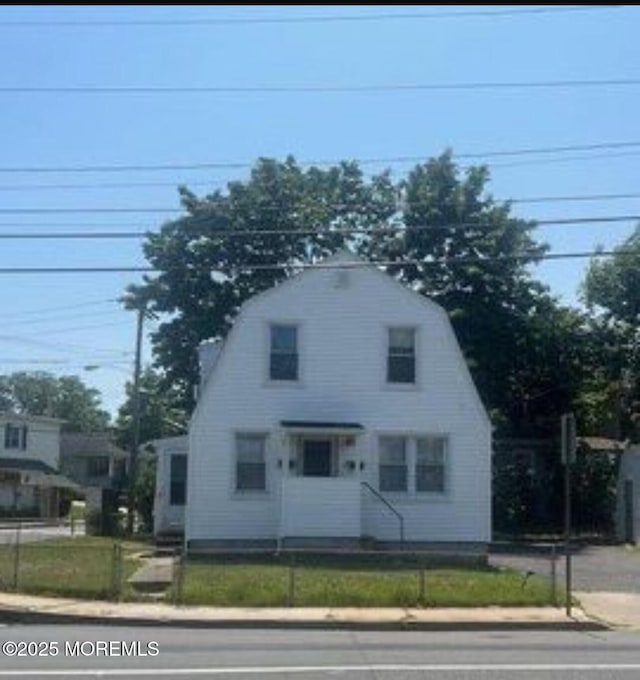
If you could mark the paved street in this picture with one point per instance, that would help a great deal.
(595, 568)
(242, 654)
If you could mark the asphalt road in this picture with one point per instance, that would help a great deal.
(315, 655)
(595, 568)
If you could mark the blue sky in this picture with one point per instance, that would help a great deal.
(65, 323)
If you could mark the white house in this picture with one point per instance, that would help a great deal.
(171, 485)
(339, 408)
(628, 496)
(29, 461)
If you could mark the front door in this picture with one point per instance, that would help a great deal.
(316, 458)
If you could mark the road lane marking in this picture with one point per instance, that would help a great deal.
(274, 670)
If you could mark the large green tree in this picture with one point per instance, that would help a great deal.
(612, 290)
(439, 231)
(210, 260)
(65, 397)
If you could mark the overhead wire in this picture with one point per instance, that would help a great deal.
(362, 88)
(243, 232)
(302, 19)
(229, 165)
(531, 255)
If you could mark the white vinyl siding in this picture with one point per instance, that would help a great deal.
(250, 462)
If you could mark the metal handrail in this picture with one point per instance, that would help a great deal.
(380, 497)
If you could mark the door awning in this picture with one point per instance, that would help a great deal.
(318, 427)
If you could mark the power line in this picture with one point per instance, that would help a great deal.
(57, 319)
(571, 198)
(62, 211)
(45, 310)
(531, 255)
(135, 185)
(561, 159)
(236, 233)
(230, 165)
(322, 89)
(303, 19)
(34, 340)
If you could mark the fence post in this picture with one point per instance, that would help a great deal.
(16, 559)
(421, 594)
(116, 571)
(291, 595)
(554, 576)
(179, 585)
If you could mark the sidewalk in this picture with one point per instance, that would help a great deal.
(619, 610)
(31, 609)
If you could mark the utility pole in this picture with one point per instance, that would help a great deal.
(568, 429)
(135, 430)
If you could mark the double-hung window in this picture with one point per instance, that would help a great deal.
(431, 455)
(393, 464)
(283, 355)
(251, 469)
(15, 437)
(401, 355)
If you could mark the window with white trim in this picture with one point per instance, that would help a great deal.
(431, 454)
(401, 355)
(283, 354)
(251, 469)
(15, 437)
(392, 460)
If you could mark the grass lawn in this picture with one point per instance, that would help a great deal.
(72, 567)
(350, 581)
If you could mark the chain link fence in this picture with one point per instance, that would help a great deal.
(57, 560)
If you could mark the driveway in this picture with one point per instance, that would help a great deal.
(595, 568)
(30, 534)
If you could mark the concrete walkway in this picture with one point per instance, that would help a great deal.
(26, 608)
(617, 610)
(156, 573)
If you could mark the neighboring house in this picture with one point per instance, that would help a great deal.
(171, 486)
(95, 463)
(339, 403)
(628, 507)
(30, 483)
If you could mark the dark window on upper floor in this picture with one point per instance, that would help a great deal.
(401, 355)
(283, 355)
(15, 436)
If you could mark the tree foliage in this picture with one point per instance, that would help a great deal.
(441, 231)
(65, 397)
(612, 289)
(160, 412)
(210, 259)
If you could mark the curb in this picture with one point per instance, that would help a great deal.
(32, 617)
